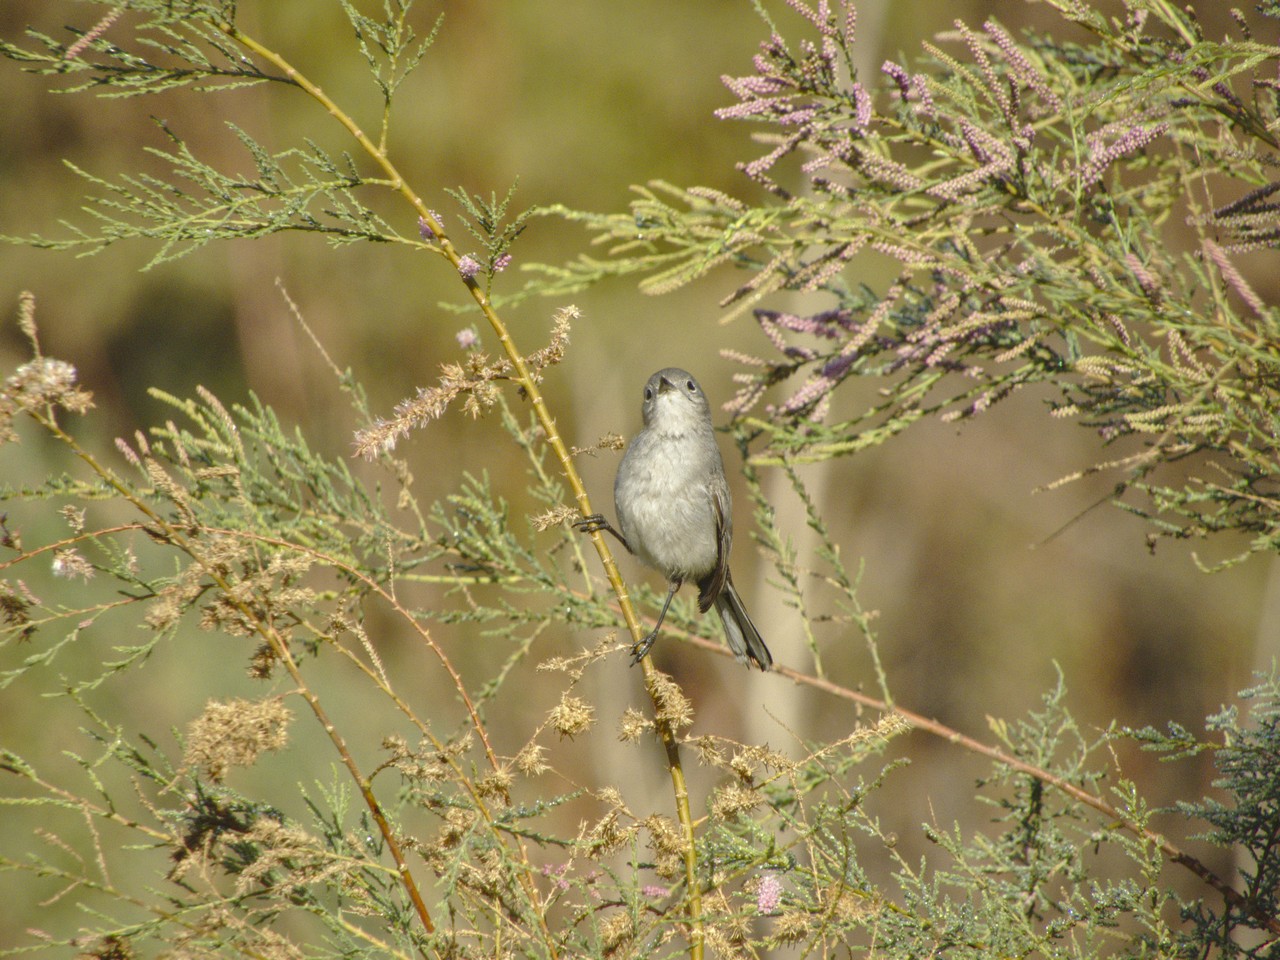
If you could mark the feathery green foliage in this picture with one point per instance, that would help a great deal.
(1026, 192)
(1019, 185)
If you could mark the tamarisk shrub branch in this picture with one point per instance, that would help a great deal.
(520, 372)
(254, 602)
(1032, 194)
(767, 792)
(856, 619)
(475, 380)
(52, 385)
(235, 525)
(525, 379)
(282, 205)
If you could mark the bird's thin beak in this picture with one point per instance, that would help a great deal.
(664, 385)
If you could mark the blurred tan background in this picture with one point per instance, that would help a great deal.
(579, 100)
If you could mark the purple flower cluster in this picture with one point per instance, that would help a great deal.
(557, 875)
(984, 177)
(801, 91)
(1102, 155)
(468, 266)
(426, 229)
(768, 894)
(832, 120)
(831, 368)
(1250, 222)
(1025, 189)
(1235, 279)
(1148, 281)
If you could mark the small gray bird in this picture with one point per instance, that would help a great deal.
(673, 505)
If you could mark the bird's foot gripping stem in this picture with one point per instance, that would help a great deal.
(596, 521)
(641, 649)
(591, 523)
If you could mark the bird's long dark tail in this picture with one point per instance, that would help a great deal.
(744, 638)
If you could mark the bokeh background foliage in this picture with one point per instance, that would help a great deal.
(973, 224)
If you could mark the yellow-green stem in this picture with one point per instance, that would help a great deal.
(548, 423)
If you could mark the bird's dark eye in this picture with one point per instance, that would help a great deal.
(693, 387)
(648, 394)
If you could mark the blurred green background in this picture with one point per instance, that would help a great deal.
(579, 100)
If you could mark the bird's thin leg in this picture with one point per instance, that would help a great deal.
(641, 648)
(597, 521)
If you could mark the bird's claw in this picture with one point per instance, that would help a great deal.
(591, 523)
(639, 651)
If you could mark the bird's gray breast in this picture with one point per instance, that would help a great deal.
(664, 503)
